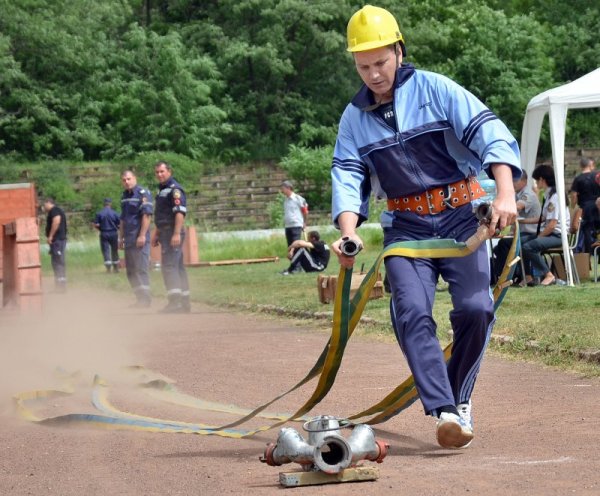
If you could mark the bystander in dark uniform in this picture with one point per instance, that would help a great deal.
(169, 217)
(591, 233)
(583, 193)
(136, 212)
(56, 235)
(107, 222)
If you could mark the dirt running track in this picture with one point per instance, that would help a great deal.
(537, 430)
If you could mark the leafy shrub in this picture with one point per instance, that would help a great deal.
(275, 209)
(53, 179)
(310, 169)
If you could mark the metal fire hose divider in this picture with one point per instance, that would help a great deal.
(326, 449)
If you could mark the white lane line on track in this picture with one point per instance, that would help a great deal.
(562, 459)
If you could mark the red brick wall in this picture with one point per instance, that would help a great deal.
(16, 200)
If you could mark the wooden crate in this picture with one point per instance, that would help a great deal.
(327, 287)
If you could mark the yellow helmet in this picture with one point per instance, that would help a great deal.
(372, 27)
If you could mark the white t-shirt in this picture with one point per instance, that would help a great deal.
(292, 210)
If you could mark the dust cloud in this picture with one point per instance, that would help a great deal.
(76, 332)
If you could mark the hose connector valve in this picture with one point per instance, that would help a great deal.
(349, 247)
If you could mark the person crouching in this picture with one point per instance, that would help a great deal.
(310, 256)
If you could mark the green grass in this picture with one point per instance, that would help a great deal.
(560, 320)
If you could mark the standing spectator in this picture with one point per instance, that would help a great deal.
(586, 185)
(528, 208)
(295, 213)
(584, 191)
(591, 233)
(420, 140)
(56, 236)
(169, 218)
(310, 256)
(548, 230)
(136, 212)
(107, 222)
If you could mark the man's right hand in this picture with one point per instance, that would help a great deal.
(345, 261)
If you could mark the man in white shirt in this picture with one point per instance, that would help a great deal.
(295, 213)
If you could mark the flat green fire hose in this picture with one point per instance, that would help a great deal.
(346, 316)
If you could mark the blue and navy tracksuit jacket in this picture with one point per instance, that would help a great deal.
(445, 134)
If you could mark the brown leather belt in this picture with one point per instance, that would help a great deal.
(435, 200)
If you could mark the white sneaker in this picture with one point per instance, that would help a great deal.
(453, 432)
(464, 410)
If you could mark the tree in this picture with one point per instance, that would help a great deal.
(156, 96)
(283, 63)
(87, 83)
(503, 60)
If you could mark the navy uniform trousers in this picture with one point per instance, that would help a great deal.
(109, 245)
(137, 263)
(172, 268)
(413, 282)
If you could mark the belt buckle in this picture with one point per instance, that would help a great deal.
(447, 197)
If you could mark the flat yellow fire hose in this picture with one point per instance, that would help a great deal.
(346, 316)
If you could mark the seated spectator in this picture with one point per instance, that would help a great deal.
(591, 228)
(548, 230)
(310, 256)
(529, 208)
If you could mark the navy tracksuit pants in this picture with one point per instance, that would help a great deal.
(413, 282)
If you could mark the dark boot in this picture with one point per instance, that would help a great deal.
(174, 305)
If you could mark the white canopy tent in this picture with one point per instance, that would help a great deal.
(581, 93)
